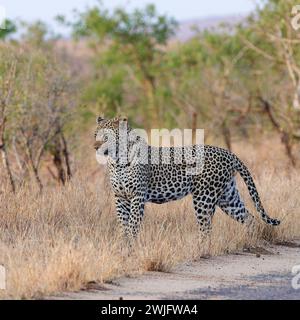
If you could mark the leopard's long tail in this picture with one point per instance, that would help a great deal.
(245, 174)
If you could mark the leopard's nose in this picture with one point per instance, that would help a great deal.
(97, 145)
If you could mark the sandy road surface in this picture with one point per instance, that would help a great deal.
(258, 274)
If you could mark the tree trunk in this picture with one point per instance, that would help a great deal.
(58, 161)
(7, 167)
(149, 89)
(194, 126)
(34, 167)
(226, 135)
(37, 177)
(66, 155)
(284, 135)
(4, 155)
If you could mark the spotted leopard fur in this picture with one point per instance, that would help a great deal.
(135, 183)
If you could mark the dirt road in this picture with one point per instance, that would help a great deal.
(264, 273)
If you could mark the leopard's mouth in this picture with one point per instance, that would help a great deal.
(99, 149)
(103, 153)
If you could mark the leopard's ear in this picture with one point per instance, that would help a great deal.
(123, 118)
(120, 119)
(99, 119)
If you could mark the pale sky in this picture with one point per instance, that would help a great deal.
(30, 10)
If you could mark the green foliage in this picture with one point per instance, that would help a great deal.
(9, 29)
(141, 27)
(39, 93)
(138, 69)
(131, 50)
(38, 35)
(109, 92)
(230, 82)
(217, 75)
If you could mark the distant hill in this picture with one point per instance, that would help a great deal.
(186, 29)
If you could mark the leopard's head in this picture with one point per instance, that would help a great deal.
(109, 134)
(114, 138)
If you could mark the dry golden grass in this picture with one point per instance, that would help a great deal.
(66, 237)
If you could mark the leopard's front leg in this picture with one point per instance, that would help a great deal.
(136, 214)
(123, 212)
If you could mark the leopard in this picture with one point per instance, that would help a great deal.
(136, 179)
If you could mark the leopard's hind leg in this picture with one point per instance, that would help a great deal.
(231, 203)
(204, 210)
